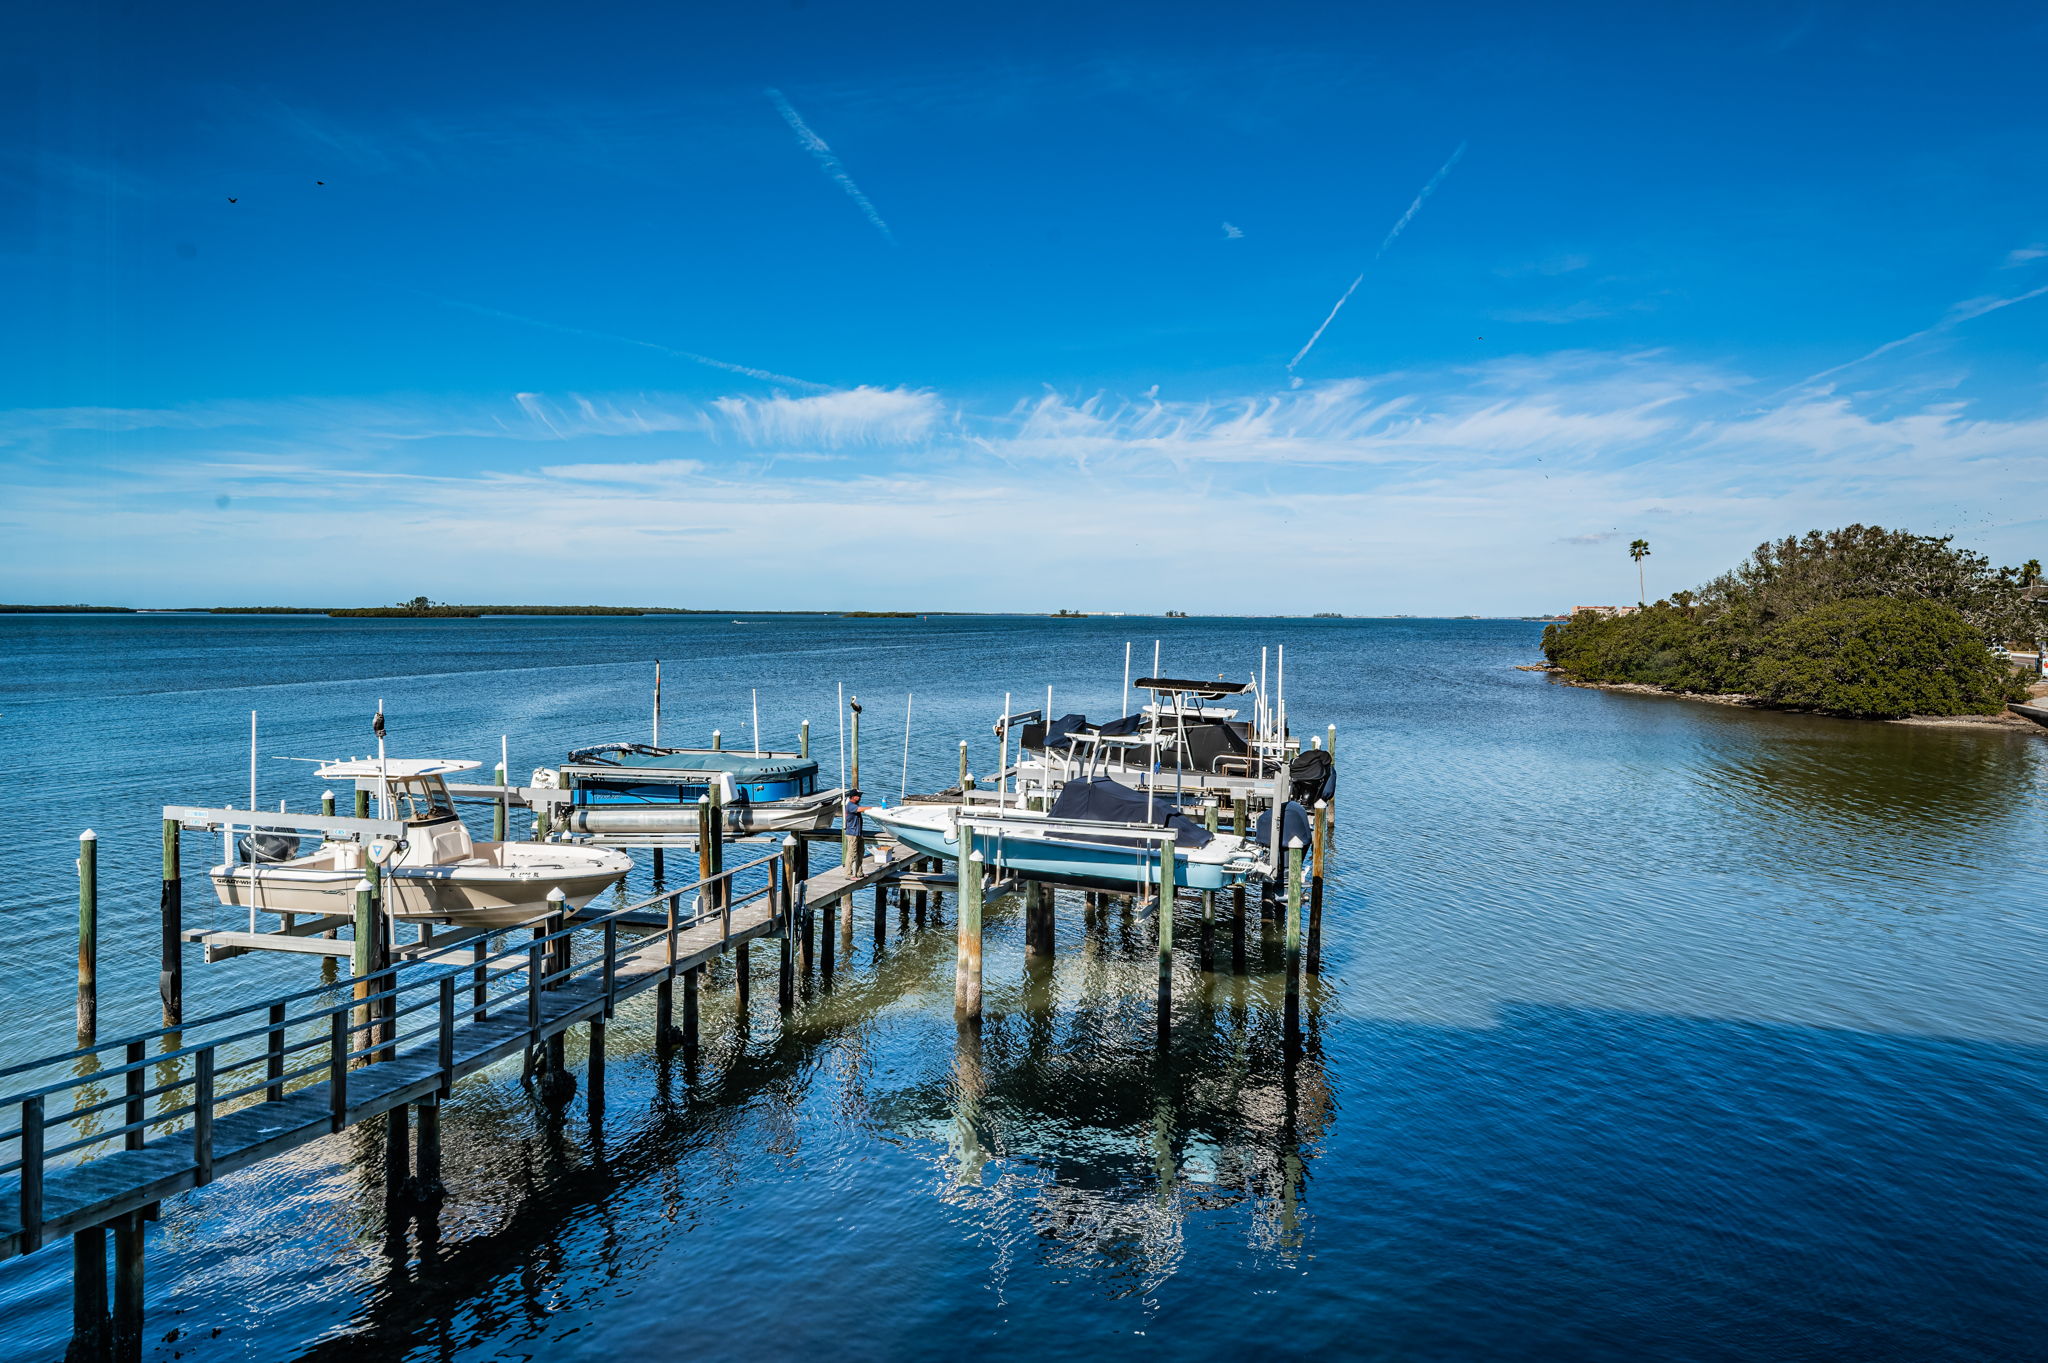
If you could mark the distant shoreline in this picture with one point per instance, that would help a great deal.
(2005, 719)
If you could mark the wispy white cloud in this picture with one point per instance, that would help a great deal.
(1399, 226)
(854, 416)
(1463, 486)
(2025, 254)
(830, 163)
(1232, 231)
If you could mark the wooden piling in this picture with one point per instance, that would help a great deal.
(881, 914)
(594, 1084)
(664, 1015)
(1237, 928)
(718, 740)
(500, 808)
(171, 970)
(690, 990)
(89, 943)
(1293, 929)
(1206, 948)
(967, 959)
(1167, 893)
(426, 1169)
(363, 960)
(89, 1323)
(741, 971)
(397, 1153)
(785, 978)
(1315, 888)
(803, 739)
(1038, 920)
(849, 843)
(327, 803)
(963, 767)
(128, 1282)
(807, 924)
(362, 803)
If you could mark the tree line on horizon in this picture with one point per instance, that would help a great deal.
(1860, 621)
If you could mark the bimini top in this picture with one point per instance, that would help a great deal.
(1199, 688)
(398, 768)
(641, 761)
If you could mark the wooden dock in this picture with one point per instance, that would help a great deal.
(138, 1119)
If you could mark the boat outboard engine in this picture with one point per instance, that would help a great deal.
(1311, 777)
(269, 847)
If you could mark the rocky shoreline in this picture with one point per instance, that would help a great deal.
(2004, 720)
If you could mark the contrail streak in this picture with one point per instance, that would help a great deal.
(1402, 223)
(1303, 352)
(767, 375)
(1960, 313)
(1416, 207)
(829, 163)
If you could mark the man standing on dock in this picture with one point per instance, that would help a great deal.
(852, 828)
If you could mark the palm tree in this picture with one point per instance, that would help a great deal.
(1639, 550)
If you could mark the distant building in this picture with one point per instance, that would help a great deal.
(1604, 610)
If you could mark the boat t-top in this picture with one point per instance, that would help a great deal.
(434, 871)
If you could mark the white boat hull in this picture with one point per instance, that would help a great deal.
(503, 884)
(1068, 858)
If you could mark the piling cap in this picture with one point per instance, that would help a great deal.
(1294, 844)
(555, 896)
(88, 836)
(364, 886)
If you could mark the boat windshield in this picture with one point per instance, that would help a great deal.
(420, 799)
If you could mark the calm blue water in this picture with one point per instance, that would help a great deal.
(1648, 1029)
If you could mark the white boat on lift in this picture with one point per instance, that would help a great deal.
(435, 871)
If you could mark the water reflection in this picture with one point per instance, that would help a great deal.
(1061, 1124)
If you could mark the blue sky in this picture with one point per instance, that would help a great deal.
(815, 304)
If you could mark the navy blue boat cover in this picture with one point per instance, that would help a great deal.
(1293, 824)
(1101, 798)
